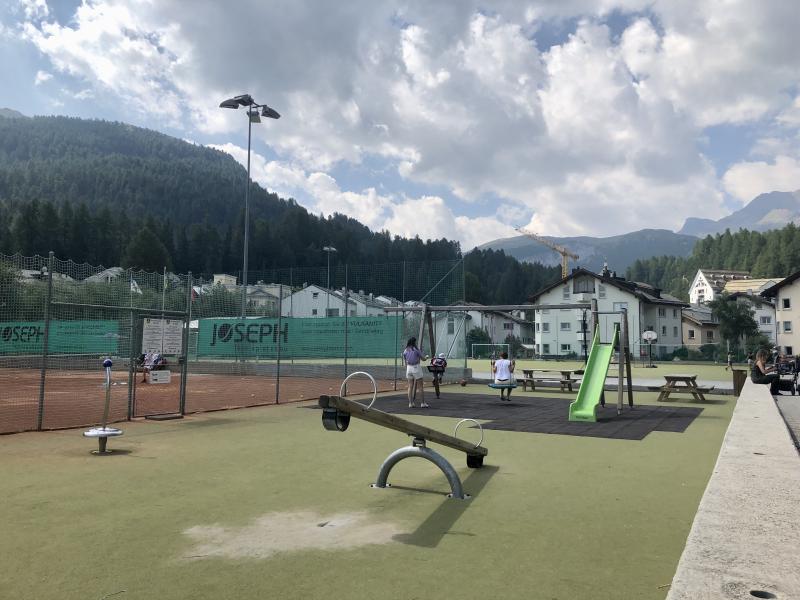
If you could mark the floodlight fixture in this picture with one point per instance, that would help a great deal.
(252, 117)
(271, 113)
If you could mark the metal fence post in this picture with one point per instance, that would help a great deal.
(131, 346)
(187, 321)
(278, 365)
(45, 341)
(346, 292)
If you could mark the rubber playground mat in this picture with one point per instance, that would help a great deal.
(534, 414)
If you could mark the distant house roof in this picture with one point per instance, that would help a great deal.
(749, 285)
(105, 275)
(772, 291)
(754, 299)
(700, 316)
(643, 291)
(718, 278)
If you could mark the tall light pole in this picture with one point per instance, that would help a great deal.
(252, 117)
(329, 249)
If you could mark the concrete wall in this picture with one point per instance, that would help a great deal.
(746, 536)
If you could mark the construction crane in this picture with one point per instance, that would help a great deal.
(565, 254)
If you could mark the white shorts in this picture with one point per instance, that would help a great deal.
(413, 371)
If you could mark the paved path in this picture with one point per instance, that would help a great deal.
(790, 409)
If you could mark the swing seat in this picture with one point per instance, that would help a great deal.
(502, 386)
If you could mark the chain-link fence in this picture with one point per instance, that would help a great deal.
(184, 343)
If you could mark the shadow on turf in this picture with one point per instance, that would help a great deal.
(431, 531)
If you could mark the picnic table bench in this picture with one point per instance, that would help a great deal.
(681, 384)
(563, 376)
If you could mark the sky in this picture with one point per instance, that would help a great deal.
(461, 120)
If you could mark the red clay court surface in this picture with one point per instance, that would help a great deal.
(76, 398)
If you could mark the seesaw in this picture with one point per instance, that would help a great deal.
(336, 413)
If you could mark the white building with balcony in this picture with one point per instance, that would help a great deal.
(786, 295)
(709, 283)
(567, 331)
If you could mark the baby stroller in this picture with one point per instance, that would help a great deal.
(787, 370)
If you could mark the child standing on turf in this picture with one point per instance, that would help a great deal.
(413, 357)
(503, 370)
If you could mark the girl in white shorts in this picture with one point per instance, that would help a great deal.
(413, 358)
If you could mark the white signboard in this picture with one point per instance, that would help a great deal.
(162, 335)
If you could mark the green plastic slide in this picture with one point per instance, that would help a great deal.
(584, 407)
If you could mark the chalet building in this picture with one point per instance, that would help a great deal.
(710, 283)
(567, 331)
(786, 295)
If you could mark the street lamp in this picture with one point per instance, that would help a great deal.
(329, 249)
(252, 117)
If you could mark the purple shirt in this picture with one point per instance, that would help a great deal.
(412, 356)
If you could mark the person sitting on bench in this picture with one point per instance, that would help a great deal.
(152, 362)
(503, 370)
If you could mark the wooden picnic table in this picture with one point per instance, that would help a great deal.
(682, 384)
(564, 377)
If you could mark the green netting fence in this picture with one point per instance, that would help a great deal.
(291, 334)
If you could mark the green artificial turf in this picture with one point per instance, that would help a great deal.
(554, 517)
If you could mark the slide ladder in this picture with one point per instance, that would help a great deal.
(584, 407)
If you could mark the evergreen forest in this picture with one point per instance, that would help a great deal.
(766, 254)
(111, 194)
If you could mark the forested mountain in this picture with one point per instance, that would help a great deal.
(113, 194)
(84, 189)
(765, 254)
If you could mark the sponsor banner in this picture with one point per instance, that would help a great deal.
(367, 337)
(66, 337)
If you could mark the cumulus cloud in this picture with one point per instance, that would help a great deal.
(746, 180)
(595, 133)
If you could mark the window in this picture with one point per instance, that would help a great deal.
(601, 291)
(662, 312)
(580, 286)
(787, 303)
(545, 348)
(709, 335)
(508, 326)
(315, 295)
(663, 330)
(451, 324)
(674, 332)
(787, 326)
(566, 347)
(565, 326)
(545, 327)
(789, 351)
(332, 312)
(313, 312)
(690, 333)
(566, 293)
(765, 320)
(674, 313)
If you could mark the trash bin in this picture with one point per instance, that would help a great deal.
(739, 377)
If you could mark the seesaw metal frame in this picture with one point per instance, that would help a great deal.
(336, 413)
